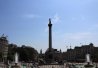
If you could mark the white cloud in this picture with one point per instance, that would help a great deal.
(80, 17)
(78, 36)
(31, 16)
(56, 19)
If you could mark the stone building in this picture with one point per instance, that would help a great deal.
(78, 53)
(3, 48)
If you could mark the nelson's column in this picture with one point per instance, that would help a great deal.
(50, 35)
(50, 51)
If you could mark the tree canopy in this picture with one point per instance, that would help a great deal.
(26, 53)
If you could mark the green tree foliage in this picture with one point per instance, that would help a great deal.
(11, 51)
(26, 53)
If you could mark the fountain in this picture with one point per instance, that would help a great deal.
(16, 62)
(88, 65)
(16, 58)
(88, 58)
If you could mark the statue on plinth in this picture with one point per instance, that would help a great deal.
(89, 64)
(16, 62)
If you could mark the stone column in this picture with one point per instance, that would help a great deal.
(50, 35)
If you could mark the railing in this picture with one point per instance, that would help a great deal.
(51, 66)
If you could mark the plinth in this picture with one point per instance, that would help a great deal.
(15, 66)
(88, 65)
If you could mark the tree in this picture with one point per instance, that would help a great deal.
(26, 53)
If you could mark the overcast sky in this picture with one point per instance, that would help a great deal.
(26, 22)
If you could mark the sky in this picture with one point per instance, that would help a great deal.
(25, 22)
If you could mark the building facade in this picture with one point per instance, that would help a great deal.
(3, 48)
(78, 53)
